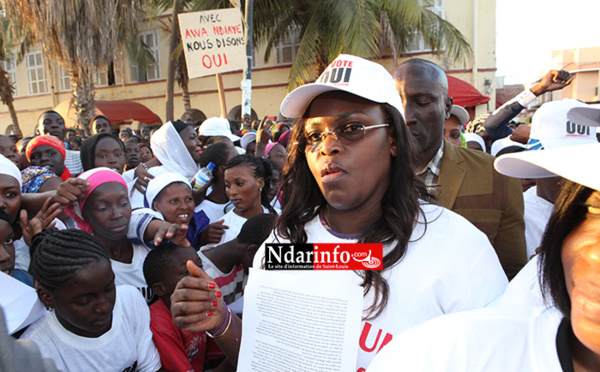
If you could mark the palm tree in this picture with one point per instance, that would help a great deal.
(177, 67)
(83, 36)
(21, 41)
(367, 28)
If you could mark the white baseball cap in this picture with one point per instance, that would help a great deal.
(216, 127)
(585, 115)
(567, 162)
(474, 137)
(503, 143)
(347, 73)
(550, 127)
(247, 139)
(461, 114)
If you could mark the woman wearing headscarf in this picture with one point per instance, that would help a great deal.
(103, 150)
(176, 149)
(49, 152)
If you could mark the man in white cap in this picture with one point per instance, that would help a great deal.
(464, 180)
(550, 129)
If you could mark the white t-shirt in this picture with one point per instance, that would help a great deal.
(449, 266)
(231, 284)
(133, 273)
(127, 346)
(483, 340)
(137, 198)
(537, 214)
(22, 257)
(235, 223)
(213, 211)
(524, 289)
(129, 176)
(73, 162)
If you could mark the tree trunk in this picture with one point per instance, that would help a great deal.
(173, 40)
(183, 81)
(15, 120)
(187, 104)
(6, 96)
(83, 97)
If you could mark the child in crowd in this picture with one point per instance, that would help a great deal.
(76, 143)
(228, 263)
(9, 149)
(103, 150)
(22, 148)
(132, 151)
(91, 325)
(274, 190)
(179, 351)
(145, 153)
(216, 204)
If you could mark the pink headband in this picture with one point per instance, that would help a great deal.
(96, 177)
(269, 147)
(99, 176)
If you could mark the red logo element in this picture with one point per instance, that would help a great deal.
(348, 256)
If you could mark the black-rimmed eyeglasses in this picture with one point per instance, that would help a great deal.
(345, 135)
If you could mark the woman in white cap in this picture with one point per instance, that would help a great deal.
(562, 337)
(169, 198)
(350, 178)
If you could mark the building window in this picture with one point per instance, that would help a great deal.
(287, 48)
(36, 73)
(10, 66)
(417, 43)
(64, 80)
(153, 71)
(101, 79)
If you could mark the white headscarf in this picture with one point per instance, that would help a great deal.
(170, 150)
(9, 168)
(158, 183)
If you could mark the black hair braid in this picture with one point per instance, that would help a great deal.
(57, 254)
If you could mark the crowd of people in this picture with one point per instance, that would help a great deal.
(490, 243)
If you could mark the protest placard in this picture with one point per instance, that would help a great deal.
(213, 41)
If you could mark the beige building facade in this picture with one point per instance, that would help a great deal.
(584, 65)
(42, 84)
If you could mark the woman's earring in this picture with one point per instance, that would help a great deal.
(50, 309)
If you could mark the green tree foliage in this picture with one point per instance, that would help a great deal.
(366, 28)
